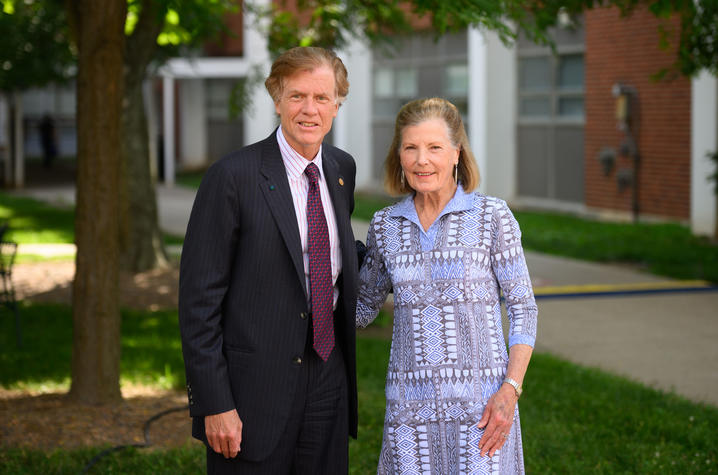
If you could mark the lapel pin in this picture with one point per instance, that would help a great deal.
(341, 181)
(271, 187)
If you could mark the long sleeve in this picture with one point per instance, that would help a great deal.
(374, 280)
(509, 266)
(205, 272)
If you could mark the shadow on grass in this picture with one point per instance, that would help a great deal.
(151, 352)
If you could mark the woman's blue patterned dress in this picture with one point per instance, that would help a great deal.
(448, 353)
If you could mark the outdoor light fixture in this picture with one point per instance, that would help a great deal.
(626, 121)
(607, 158)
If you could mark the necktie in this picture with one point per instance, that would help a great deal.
(320, 268)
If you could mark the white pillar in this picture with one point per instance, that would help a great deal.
(19, 159)
(260, 120)
(352, 127)
(704, 128)
(193, 127)
(168, 113)
(477, 96)
(501, 157)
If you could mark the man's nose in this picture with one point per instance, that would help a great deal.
(309, 105)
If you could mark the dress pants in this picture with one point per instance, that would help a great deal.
(315, 440)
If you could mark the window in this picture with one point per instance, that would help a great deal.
(418, 65)
(392, 88)
(457, 80)
(551, 87)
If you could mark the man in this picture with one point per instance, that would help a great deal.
(268, 288)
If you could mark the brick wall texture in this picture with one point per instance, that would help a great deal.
(627, 50)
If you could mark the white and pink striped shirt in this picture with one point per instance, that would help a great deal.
(295, 164)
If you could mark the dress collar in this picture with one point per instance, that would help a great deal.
(461, 201)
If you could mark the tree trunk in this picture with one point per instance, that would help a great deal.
(99, 31)
(141, 246)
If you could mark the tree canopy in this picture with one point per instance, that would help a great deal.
(332, 23)
(34, 45)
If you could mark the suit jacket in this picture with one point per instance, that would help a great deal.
(243, 303)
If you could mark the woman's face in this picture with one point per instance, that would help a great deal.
(428, 157)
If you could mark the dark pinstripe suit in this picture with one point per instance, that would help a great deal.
(243, 302)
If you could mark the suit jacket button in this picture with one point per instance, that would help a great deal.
(297, 360)
(303, 315)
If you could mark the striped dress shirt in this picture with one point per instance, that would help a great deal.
(295, 164)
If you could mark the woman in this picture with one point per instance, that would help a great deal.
(451, 387)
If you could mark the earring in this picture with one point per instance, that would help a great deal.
(456, 172)
(403, 181)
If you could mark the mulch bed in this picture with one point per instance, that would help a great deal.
(50, 420)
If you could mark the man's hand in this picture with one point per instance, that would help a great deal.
(224, 432)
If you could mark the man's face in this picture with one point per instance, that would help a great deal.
(306, 108)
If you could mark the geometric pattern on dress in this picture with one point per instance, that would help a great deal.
(428, 333)
(405, 444)
(453, 451)
(456, 386)
(446, 266)
(435, 447)
(471, 461)
(448, 355)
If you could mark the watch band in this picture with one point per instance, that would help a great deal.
(517, 387)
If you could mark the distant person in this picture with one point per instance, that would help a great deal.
(448, 253)
(48, 139)
(268, 288)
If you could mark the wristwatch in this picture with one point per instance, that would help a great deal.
(517, 387)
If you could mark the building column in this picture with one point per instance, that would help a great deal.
(168, 128)
(704, 129)
(352, 127)
(193, 126)
(477, 99)
(260, 119)
(492, 112)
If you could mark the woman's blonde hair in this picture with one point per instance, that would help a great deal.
(306, 58)
(414, 113)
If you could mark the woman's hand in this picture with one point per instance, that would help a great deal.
(497, 418)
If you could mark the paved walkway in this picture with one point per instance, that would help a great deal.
(667, 339)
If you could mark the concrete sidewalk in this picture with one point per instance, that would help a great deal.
(667, 340)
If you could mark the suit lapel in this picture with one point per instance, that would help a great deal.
(279, 198)
(335, 183)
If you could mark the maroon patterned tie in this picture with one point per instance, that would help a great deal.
(320, 268)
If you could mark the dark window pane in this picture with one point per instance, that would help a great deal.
(570, 71)
(535, 107)
(570, 106)
(534, 74)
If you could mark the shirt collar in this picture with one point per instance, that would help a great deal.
(293, 161)
(461, 201)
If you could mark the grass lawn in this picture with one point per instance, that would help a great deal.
(666, 249)
(574, 419)
(189, 179)
(34, 222)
